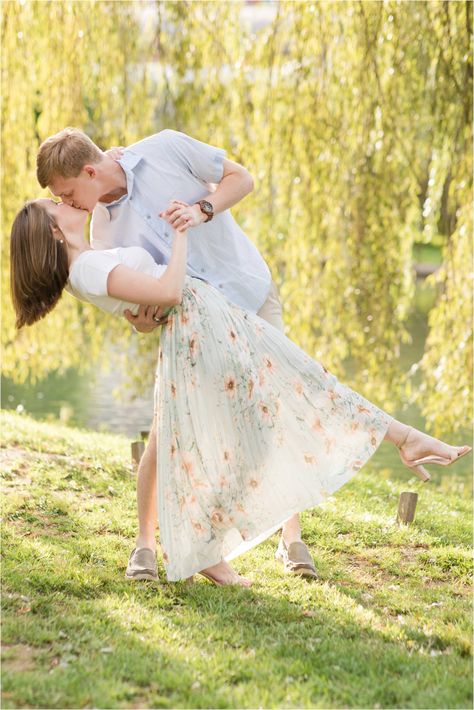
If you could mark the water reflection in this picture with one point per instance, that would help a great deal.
(84, 400)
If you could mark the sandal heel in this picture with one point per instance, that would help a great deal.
(422, 473)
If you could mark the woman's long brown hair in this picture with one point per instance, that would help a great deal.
(38, 264)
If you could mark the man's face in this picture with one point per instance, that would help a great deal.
(81, 192)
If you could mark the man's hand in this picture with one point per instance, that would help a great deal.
(181, 216)
(145, 321)
(115, 153)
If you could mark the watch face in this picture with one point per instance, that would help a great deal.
(206, 206)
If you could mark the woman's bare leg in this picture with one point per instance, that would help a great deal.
(291, 530)
(148, 516)
(146, 494)
(414, 444)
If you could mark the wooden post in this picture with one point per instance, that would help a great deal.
(138, 447)
(407, 507)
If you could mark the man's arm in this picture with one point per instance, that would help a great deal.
(235, 184)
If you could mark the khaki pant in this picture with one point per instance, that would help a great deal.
(271, 311)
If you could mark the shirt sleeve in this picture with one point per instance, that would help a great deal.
(204, 161)
(90, 275)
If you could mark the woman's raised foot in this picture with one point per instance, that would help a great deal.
(418, 445)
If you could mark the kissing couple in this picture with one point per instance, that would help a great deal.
(248, 430)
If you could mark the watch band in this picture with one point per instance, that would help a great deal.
(206, 208)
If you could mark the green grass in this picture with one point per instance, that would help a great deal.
(427, 253)
(387, 624)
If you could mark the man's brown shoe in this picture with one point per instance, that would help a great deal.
(142, 564)
(296, 558)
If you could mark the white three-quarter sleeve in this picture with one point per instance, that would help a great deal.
(89, 275)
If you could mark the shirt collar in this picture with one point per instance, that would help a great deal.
(128, 161)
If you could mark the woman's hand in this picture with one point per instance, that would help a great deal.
(115, 153)
(181, 216)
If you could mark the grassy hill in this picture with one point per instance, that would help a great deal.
(387, 624)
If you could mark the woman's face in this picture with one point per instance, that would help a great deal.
(69, 219)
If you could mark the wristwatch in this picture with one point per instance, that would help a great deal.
(207, 209)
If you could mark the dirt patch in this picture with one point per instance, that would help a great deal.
(19, 458)
(38, 528)
(18, 657)
(364, 574)
(368, 569)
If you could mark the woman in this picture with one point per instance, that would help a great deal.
(251, 429)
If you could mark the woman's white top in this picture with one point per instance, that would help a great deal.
(90, 270)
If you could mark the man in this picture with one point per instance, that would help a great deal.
(129, 199)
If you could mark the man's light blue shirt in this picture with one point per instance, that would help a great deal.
(172, 165)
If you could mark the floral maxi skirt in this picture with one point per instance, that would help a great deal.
(250, 431)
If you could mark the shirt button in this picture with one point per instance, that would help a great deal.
(148, 216)
(220, 286)
(203, 271)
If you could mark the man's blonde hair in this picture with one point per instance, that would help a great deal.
(64, 155)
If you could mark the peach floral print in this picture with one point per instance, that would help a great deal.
(230, 385)
(173, 448)
(198, 527)
(217, 517)
(250, 388)
(251, 429)
(329, 443)
(194, 345)
(268, 363)
(187, 463)
(298, 387)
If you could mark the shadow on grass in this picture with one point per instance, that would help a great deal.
(106, 642)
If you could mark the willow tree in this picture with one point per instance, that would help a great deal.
(65, 63)
(355, 121)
